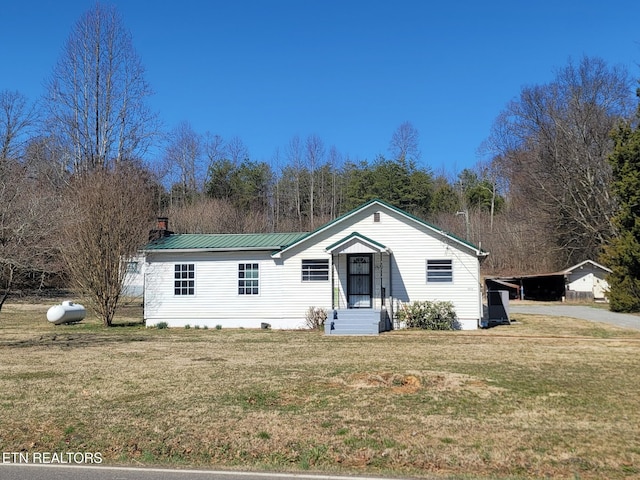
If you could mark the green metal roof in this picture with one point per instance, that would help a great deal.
(226, 241)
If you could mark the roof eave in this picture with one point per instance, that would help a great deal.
(584, 262)
(212, 250)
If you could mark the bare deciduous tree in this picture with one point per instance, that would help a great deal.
(42, 157)
(215, 215)
(236, 151)
(27, 216)
(554, 142)
(17, 116)
(214, 148)
(333, 196)
(293, 173)
(184, 161)
(109, 214)
(314, 149)
(97, 94)
(405, 143)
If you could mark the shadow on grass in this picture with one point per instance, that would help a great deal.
(139, 323)
(498, 323)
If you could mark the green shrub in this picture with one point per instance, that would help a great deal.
(187, 326)
(218, 327)
(161, 325)
(428, 315)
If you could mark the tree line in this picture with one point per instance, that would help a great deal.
(79, 189)
(309, 186)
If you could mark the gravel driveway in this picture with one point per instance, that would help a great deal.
(623, 320)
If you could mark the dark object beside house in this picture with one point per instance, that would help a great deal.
(498, 306)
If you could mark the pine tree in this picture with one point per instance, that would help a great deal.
(622, 254)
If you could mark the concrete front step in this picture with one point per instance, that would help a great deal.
(355, 321)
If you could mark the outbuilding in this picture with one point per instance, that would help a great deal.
(586, 280)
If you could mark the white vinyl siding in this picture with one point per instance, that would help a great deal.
(133, 283)
(216, 300)
(315, 270)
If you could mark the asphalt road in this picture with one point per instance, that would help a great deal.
(92, 472)
(577, 311)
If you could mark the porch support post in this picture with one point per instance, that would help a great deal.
(333, 283)
(382, 301)
(391, 307)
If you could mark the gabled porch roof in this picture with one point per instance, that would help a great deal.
(357, 243)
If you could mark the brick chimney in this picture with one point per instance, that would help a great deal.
(163, 223)
(161, 230)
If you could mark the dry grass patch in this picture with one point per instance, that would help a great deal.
(540, 398)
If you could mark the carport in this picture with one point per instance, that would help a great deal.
(542, 287)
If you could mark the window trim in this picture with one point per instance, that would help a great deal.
(242, 268)
(313, 275)
(184, 279)
(132, 267)
(439, 270)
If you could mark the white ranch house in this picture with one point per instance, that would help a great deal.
(360, 267)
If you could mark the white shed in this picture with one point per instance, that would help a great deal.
(358, 267)
(589, 277)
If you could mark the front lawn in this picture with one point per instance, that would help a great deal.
(544, 397)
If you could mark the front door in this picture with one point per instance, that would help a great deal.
(359, 280)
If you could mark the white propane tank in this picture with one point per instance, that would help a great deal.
(67, 312)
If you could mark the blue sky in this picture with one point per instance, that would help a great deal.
(347, 71)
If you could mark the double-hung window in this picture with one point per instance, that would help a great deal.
(315, 270)
(248, 279)
(439, 271)
(184, 279)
